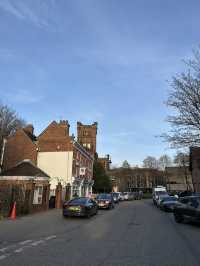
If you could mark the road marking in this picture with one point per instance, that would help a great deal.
(2, 257)
(4, 249)
(18, 250)
(34, 244)
(25, 242)
(50, 237)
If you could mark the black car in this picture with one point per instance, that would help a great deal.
(105, 201)
(168, 203)
(187, 207)
(80, 207)
(116, 197)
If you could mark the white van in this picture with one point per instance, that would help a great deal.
(157, 192)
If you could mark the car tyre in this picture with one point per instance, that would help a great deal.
(110, 207)
(88, 215)
(178, 218)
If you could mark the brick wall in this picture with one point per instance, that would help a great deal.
(55, 138)
(81, 160)
(87, 134)
(19, 147)
(22, 193)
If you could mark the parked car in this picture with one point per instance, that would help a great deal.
(161, 198)
(168, 203)
(105, 201)
(116, 197)
(125, 194)
(128, 195)
(80, 207)
(185, 193)
(159, 190)
(121, 196)
(187, 207)
(157, 196)
(138, 195)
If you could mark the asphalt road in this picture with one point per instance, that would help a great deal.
(134, 233)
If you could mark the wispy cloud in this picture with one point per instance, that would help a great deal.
(35, 13)
(22, 97)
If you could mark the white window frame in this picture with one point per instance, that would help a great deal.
(38, 194)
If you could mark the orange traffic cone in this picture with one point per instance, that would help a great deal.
(13, 212)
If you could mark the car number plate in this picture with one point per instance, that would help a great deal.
(74, 209)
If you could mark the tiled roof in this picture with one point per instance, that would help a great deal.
(24, 168)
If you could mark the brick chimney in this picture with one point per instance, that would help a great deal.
(65, 124)
(29, 129)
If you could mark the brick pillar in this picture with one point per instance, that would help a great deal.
(58, 196)
(31, 205)
(68, 192)
(47, 197)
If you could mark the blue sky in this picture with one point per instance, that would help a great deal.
(98, 60)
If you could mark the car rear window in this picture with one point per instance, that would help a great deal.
(78, 201)
(104, 196)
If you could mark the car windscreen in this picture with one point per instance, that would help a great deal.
(161, 193)
(104, 196)
(115, 194)
(169, 199)
(79, 201)
(196, 202)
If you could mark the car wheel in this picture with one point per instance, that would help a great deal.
(111, 207)
(88, 215)
(178, 218)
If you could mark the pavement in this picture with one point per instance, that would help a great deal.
(134, 233)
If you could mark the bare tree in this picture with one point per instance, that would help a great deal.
(164, 161)
(184, 99)
(150, 162)
(182, 160)
(9, 123)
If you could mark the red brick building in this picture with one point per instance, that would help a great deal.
(55, 152)
(87, 136)
(25, 184)
(20, 146)
(105, 162)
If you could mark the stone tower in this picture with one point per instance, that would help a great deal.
(87, 136)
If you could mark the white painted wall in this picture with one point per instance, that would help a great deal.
(56, 165)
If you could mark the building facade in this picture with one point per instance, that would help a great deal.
(195, 167)
(87, 136)
(105, 162)
(56, 153)
(134, 179)
(25, 184)
(178, 179)
(22, 145)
